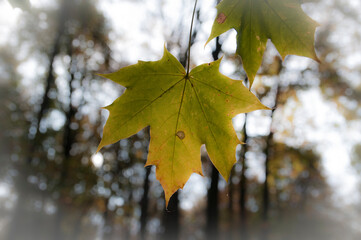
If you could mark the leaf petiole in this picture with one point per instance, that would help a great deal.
(190, 39)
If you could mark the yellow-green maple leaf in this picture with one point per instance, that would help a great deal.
(256, 21)
(183, 112)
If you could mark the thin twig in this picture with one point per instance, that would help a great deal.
(190, 38)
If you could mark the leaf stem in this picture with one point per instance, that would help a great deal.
(190, 39)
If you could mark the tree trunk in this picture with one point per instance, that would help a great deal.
(68, 137)
(68, 140)
(230, 193)
(144, 204)
(265, 193)
(269, 153)
(171, 219)
(243, 183)
(212, 207)
(49, 80)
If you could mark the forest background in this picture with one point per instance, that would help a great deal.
(297, 177)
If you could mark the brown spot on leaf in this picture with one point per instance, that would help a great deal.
(221, 18)
(181, 135)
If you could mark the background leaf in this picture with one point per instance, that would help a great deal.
(256, 21)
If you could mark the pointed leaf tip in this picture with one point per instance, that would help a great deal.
(100, 146)
(101, 75)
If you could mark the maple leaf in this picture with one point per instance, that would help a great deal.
(256, 21)
(183, 112)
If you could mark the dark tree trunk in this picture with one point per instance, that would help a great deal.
(243, 183)
(68, 137)
(265, 193)
(212, 207)
(230, 209)
(266, 172)
(269, 153)
(171, 219)
(68, 140)
(144, 204)
(49, 80)
(230, 194)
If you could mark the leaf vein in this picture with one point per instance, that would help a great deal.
(140, 110)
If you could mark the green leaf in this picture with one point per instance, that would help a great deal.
(256, 21)
(183, 112)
